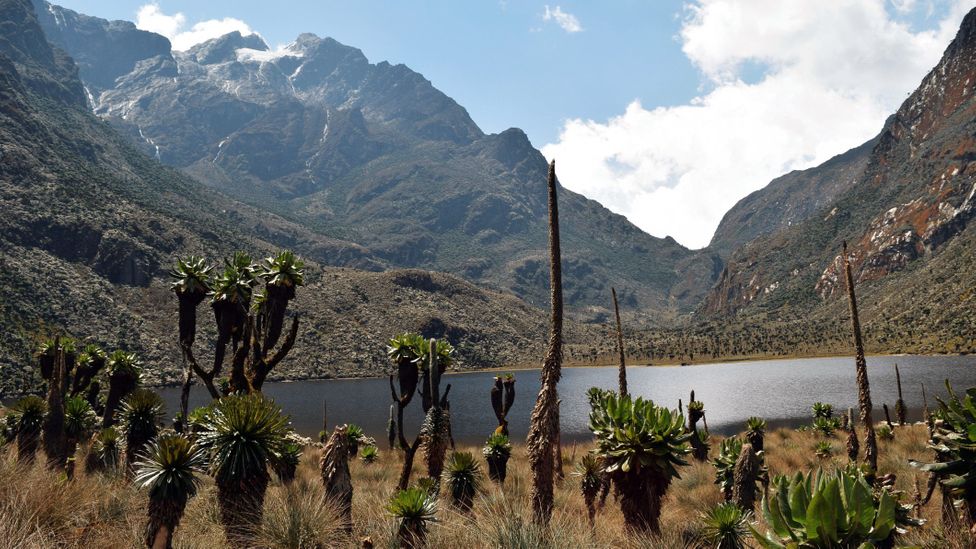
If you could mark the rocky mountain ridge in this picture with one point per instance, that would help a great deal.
(912, 201)
(91, 225)
(373, 154)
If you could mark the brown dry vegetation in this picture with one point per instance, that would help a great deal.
(39, 509)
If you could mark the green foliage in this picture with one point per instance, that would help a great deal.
(635, 434)
(596, 396)
(829, 509)
(198, 416)
(822, 410)
(105, 447)
(233, 286)
(413, 508)
(590, 472)
(823, 449)
(369, 454)
(497, 447)
(168, 467)
(121, 363)
(141, 413)
(191, 276)
(728, 453)
(755, 425)
(885, 433)
(826, 426)
(726, 526)
(954, 440)
(355, 433)
(463, 477)
(29, 413)
(284, 270)
(243, 434)
(92, 352)
(405, 347)
(444, 355)
(79, 418)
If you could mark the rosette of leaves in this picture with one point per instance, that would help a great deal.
(168, 468)
(827, 509)
(356, 436)
(590, 472)
(497, 451)
(756, 432)
(954, 441)
(443, 358)
(404, 350)
(463, 477)
(104, 451)
(726, 526)
(282, 274)
(141, 415)
(826, 426)
(192, 279)
(641, 445)
(369, 454)
(414, 510)
(124, 370)
(821, 409)
(823, 449)
(28, 415)
(728, 455)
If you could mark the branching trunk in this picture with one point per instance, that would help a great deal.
(863, 389)
(543, 421)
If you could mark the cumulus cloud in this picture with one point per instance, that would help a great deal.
(832, 72)
(566, 21)
(151, 18)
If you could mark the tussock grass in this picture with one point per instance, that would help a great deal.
(40, 509)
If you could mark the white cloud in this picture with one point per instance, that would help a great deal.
(151, 18)
(566, 21)
(833, 72)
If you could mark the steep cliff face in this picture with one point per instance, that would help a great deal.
(914, 195)
(789, 200)
(375, 153)
(90, 226)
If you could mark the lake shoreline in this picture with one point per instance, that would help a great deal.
(667, 364)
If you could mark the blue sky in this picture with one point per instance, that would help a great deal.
(501, 60)
(665, 111)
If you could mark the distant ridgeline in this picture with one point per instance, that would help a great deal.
(119, 154)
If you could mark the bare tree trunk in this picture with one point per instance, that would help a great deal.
(744, 479)
(853, 446)
(863, 389)
(558, 455)
(335, 475)
(545, 414)
(622, 371)
(900, 409)
(54, 440)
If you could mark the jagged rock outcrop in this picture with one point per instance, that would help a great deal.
(374, 152)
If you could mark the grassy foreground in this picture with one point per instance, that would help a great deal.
(40, 509)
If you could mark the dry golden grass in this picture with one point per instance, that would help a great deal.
(41, 509)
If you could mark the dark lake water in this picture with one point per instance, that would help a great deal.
(782, 391)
